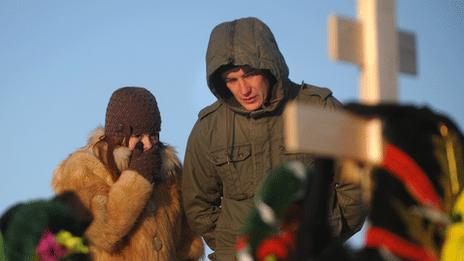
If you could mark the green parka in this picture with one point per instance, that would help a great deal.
(231, 150)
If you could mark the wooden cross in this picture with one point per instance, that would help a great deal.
(372, 43)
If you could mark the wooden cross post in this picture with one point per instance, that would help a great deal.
(373, 43)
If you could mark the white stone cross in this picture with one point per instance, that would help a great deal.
(373, 43)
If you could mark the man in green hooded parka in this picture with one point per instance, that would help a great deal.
(238, 139)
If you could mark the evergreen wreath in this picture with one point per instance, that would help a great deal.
(45, 230)
(270, 230)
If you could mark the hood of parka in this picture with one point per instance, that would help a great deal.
(246, 41)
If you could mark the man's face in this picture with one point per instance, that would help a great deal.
(250, 89)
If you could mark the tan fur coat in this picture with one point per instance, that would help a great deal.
(133, 219)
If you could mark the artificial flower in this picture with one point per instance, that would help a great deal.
(272, 247)
(72, 243)
(48, 249)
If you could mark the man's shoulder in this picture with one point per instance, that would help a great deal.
(312, 94)
(313, 90)
(207, 121)
(208, 110)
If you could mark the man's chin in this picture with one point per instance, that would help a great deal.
(251, 107)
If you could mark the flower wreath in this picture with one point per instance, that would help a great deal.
(60, 246)
(270, 229)
(45, 230)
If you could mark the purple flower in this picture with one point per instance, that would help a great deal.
(48, 249)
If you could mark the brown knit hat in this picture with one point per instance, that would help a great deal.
(132, 111)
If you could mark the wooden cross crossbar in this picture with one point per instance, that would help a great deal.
(345, 44)
(336, 134)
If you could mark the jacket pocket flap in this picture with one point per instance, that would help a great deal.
(236, 153)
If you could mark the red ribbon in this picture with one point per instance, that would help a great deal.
(403, 167)
(378, 237)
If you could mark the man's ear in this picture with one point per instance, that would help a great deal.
(270, 77)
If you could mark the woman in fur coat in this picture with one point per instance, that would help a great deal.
(129, 180)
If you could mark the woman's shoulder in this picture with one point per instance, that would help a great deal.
(171, 166)
(81, 168)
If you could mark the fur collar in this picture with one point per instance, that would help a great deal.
(170, 162)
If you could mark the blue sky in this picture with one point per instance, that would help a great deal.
(61, 60)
